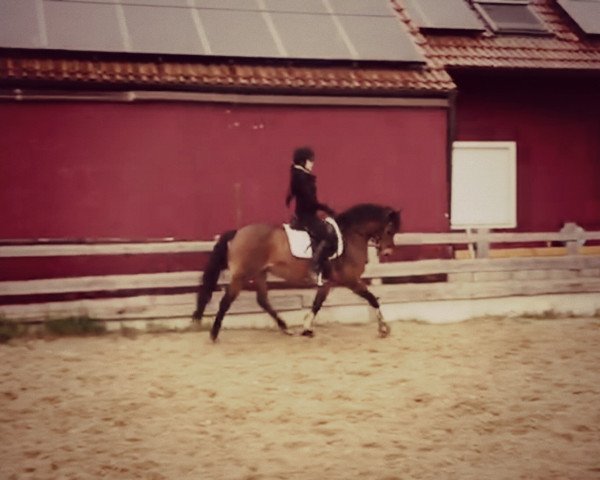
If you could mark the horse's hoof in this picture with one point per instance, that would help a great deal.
(308, 333)
(197, 316)
(384, 331)
(214, 337)
(285, 331)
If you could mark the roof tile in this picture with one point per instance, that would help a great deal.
(312, 79)
(564, 48)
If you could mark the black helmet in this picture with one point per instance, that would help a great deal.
(302, 154)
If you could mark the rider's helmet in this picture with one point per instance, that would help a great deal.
(302, 154)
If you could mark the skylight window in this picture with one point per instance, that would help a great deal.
(443, 15)
(510, 16)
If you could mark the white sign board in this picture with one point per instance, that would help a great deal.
(484, 185)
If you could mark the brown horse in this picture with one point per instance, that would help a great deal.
(254, 250)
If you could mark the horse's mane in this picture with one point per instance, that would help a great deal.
(365, 212)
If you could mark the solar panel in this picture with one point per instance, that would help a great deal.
(220, 4)
(397, 44)
(82, 26)
(155, 3)
(362, 7)
(165, 30)
(585, 13)
(358, 30)
(510, 16)
(244, 32)
(310, 36)
(19, 25)
(295, 6)
(443, 15)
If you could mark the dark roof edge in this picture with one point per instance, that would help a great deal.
(129, 96)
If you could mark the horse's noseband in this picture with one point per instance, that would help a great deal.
(375, 240)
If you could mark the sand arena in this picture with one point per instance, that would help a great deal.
(482, 399)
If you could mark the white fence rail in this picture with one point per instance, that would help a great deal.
(573, 268)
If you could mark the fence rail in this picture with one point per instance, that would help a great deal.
(575, 268)
(49, 248)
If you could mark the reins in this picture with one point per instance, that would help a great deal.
(375, 240)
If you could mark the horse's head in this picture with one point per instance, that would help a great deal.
(374, 222)
(384, 239)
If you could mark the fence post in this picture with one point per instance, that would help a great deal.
(373, 259)
(576, 242)
(483, 244)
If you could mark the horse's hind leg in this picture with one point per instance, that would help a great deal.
(263, 301)
(201, 302)
(231, 293)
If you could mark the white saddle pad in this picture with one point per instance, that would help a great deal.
(300, 241)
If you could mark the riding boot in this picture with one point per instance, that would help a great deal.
(319, 259)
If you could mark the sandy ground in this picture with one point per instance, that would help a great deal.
(484, 399)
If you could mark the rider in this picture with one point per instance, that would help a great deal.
(303, 187)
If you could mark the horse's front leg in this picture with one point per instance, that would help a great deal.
(309, 319)
(360, 288)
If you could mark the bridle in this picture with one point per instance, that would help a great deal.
(375, 240)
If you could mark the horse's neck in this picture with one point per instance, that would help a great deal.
(356, 242)
(366, 229)
(362, 233)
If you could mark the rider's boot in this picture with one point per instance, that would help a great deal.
(319, 261)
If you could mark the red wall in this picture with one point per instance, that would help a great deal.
(138, 171)
(556, 124)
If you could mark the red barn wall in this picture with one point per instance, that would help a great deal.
(556, 124)
(190, 170)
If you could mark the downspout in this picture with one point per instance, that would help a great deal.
(451, 137)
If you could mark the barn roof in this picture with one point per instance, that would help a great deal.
(312, 46)
(563, 46)
(223, 75)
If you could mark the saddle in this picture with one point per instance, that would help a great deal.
(301, 242)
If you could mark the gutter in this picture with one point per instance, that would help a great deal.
(21, 95)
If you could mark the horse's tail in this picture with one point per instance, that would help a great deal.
(216, 262)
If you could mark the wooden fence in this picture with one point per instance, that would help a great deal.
(485, 264)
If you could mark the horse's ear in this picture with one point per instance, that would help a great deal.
(394, 217)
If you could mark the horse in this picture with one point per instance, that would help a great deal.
(257, 249)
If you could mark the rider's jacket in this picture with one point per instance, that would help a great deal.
(303, 187)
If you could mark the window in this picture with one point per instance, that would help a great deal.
(443, 15)
(510, 16)
(484, 187)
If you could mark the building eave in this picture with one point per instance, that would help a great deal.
(222, 76)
